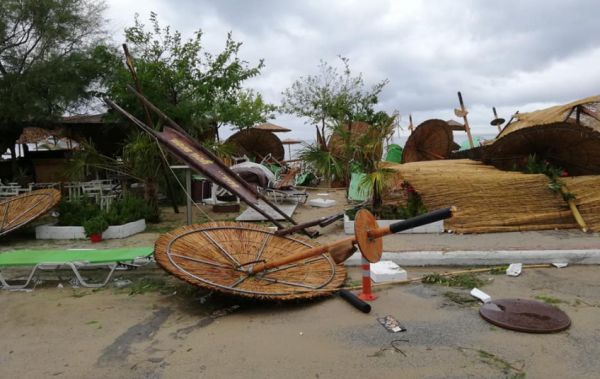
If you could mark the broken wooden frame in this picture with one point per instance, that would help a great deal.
(189, 151)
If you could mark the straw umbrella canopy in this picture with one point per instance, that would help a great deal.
(431, 140)
(269, 127)
(17, 211)
(567, 136)
(217, 256)
(256, 143)
(290, 142)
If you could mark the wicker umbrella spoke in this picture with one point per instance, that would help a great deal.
(219, 256)
(22, 209)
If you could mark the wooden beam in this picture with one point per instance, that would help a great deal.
(464, 116)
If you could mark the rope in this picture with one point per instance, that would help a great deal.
(188, 196)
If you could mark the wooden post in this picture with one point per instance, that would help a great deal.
(411, 127)
(463, 113)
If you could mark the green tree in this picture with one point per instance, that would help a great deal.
(201, 91)
(331, 97)
(52, 61)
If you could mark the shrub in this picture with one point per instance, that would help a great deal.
(122, 211)
(95, 225)
(130, 208)
(75, 213)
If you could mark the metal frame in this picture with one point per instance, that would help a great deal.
(246, 192)
(75, 266)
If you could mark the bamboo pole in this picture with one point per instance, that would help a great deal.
(573, 207)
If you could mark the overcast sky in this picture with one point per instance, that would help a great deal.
(514, 55)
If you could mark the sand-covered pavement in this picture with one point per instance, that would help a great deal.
(159, 327)
(75, 333)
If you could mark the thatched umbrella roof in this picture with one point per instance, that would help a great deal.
(22, 209)
(567, 136)
(431, 140)
(257, 143)
(269, 127)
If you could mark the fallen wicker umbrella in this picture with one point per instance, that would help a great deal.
(19, 210)
(431, 140)
(252, 261)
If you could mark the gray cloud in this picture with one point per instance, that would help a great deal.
(515, 55)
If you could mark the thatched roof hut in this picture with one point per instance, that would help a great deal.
(567, 136)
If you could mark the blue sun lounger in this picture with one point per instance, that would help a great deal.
(74, 259)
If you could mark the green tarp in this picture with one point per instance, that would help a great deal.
(354, 190)
(394, 153)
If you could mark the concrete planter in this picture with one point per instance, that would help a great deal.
(436, 227)
(51, 232)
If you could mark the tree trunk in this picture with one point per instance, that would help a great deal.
(151, 197)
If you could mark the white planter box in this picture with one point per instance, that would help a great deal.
(436, 227)
(51, 232)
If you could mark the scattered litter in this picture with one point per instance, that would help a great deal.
(321, 203)
(301, 333)
(122, 283)
(560, 264)
(386, 271)
(484, 297)
(514, 269)
(322, 194)
(396, 348)
(391, 324)
(59, 285)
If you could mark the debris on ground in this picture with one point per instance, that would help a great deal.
(391, 324)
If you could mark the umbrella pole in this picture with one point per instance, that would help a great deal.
(366, 231)
(464, 116)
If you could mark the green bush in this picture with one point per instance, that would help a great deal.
(75, 213)
(95, 225)
(128, 209)
(121, 211)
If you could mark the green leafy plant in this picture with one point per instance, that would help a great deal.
(535, 165)
(322, 161)
(413, 207)
(95, 225)
(462, 280)
(75, 213)
(128, 209)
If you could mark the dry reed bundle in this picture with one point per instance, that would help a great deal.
(210, 255)
(431, 140)
(587, 198)
(22, 209)
(488, 200)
